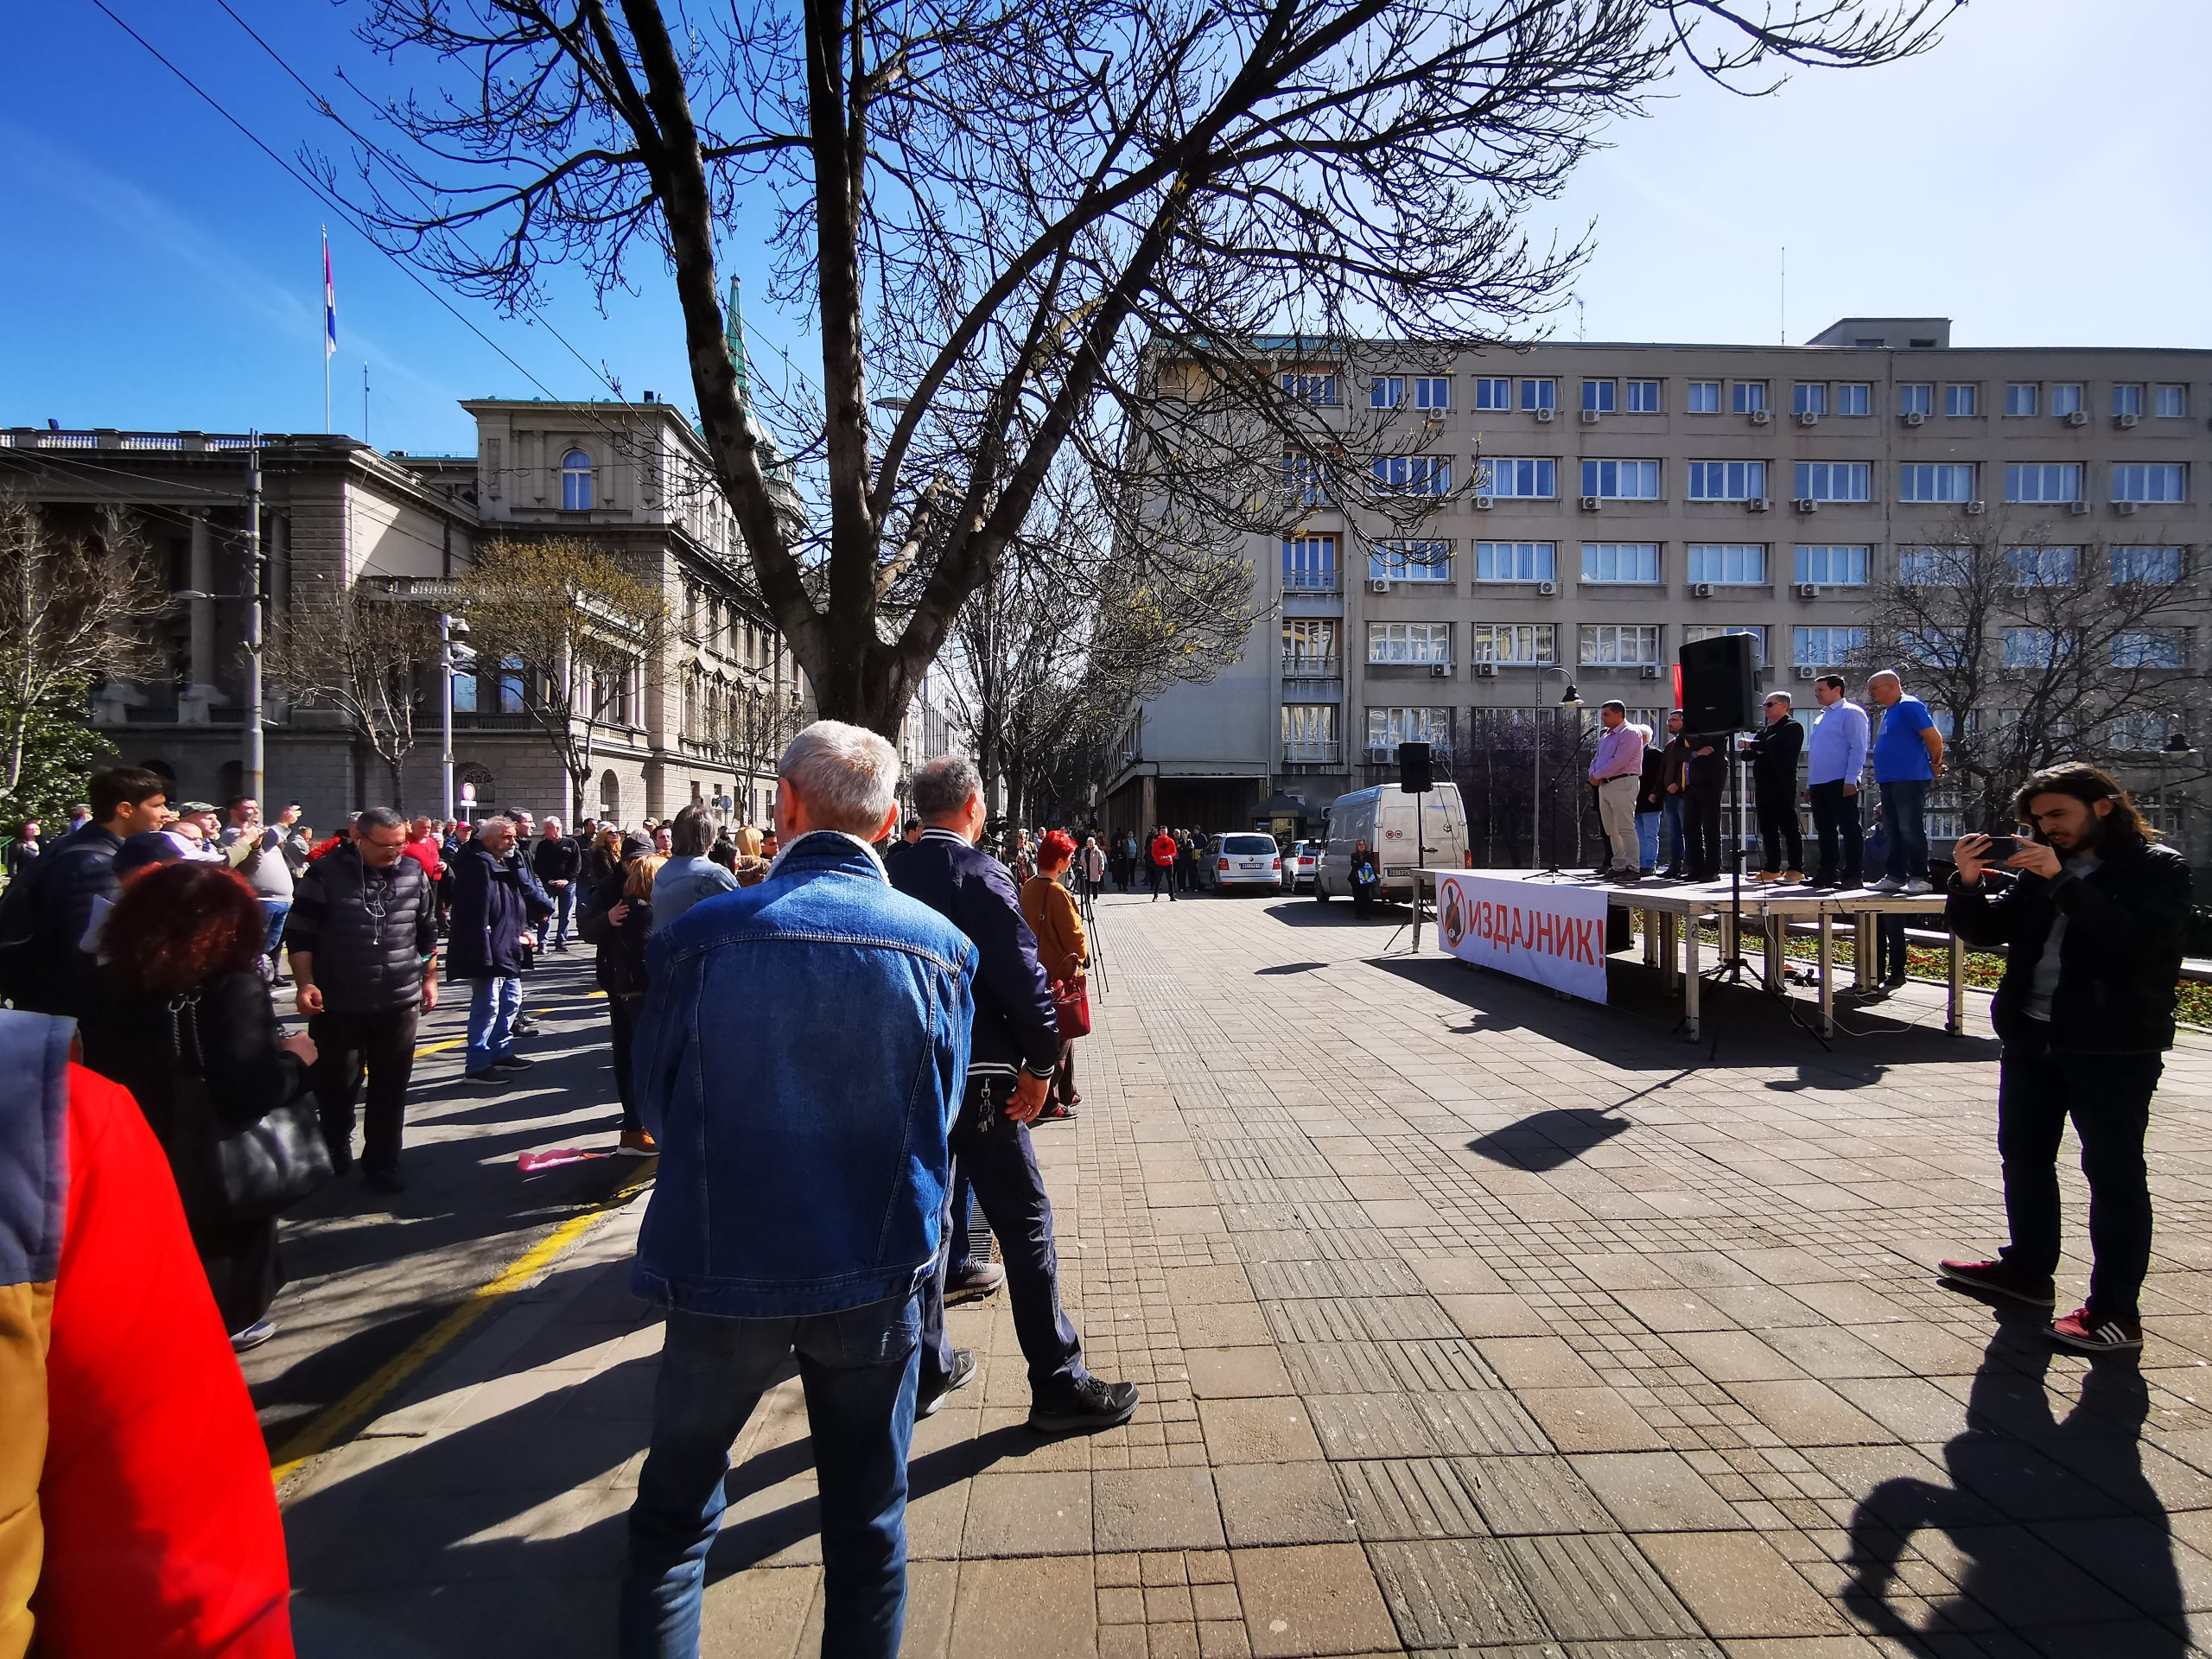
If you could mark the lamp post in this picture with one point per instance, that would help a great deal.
(451, 654)
(1569, 698)
(2175, 747)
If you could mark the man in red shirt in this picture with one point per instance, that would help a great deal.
(1163, 865)
(423, 847)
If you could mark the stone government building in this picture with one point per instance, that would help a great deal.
(1626, 498)
(704, 721)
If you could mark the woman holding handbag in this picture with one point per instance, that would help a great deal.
(1051, 910)
(183, 1022)
(617, 920)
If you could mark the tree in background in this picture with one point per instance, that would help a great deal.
(360, 651)
(1005, 221)
(76, 606)
(561, 626)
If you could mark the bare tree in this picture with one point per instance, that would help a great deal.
(76, 606)
(360, 651)
(561, 625)
(2035, 649)
(1009, 222)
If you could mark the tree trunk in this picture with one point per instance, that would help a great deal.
(391, 763)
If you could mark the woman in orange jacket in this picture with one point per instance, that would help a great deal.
(1062, 950)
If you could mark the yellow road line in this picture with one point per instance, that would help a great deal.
(439, 1048)
(331, 1426)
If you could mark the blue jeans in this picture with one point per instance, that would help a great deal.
(274, 910)
(564, 901)
(1677, 847)
(857, 1367)
(1647, 839)
(492, 1005)
(1904, 815)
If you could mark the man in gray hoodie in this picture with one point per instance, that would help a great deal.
(256, 851)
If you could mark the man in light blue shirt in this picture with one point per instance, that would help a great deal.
(1835, 759)
(1908, 761)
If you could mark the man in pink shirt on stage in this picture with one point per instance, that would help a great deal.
(1615, 773)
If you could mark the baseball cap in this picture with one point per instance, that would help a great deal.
(147, 847)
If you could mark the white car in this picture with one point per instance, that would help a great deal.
(1299, 863)
(1250, 860)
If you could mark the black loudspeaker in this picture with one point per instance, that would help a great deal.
(1414, 775)
(1719, 692)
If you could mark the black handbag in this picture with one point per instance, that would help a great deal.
(249, 1172)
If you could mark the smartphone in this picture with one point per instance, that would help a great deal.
(2000, 848)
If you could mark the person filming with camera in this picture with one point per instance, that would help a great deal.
(2090, 911)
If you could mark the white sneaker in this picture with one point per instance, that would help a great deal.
(1886, 884)
(1917, 886)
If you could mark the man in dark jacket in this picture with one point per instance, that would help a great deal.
(2091, 920)
(1015, 1048)
(1674, 780)
(1705, 771)
(362, 937)
(493, 909)
(557, 861)
(1775, 748)
(70, 886)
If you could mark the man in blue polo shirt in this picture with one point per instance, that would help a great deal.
(1907, 758)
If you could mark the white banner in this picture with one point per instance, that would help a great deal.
(1553, 935)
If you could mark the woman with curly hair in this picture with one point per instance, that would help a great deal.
(183, 1021)
(1062, 949)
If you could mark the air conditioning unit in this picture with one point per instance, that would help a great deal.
(1758, 504)
(1544, 416)
(1805, 673)
(1649, 672)
(1589, 417)
(1485, 670)
(2077, 508)
(1914, 417)
(1378, 586)
(2125, 509)
(1439, 671)
(2077, 417)
(1807, 417)
(1761, 416)
(1700, 590)
(1808, 590)
(1545, 589)
(1482, 504)
(1806, 504)
(1973, 509)
(1591, 504)
(2125, 420)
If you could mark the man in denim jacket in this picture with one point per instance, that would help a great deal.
(803, 1173)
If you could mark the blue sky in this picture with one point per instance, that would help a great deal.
(2037, 178)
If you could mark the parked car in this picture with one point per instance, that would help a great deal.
(1405, 832)
(1299, 863)
(1247, 861)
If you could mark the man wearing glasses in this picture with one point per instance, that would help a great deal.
(1774, 752)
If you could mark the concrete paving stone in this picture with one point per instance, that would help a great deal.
(1155, 1509)
(1456, 1275)
(1371, 1426)
(1197, 1219)
(1438, 1367)
(1762, 1308)
(1831, 1352)
(1809, 1413)
(1496, 1316)
(1027, 1515)
(1590, 1420)
(1521, 1495)
(1473, 1422)
(1625, 1270)
(1222, 1325)
(1337, 1318)
(1594, 1586)
(1540, 1362)
(1666, 1311)
(1343, 1368)
(1281, 1504)
(1271, 1430)
(1411, 1497)
(1733, 1356)
(1655, 1491)
(1455, 1593)
(1283, 1281)
(1170, 1195)
(1921, 1349)
(1018, 1609)
(1737, 1584)
(1230, 1373)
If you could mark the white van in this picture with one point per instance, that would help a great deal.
(1405, 832)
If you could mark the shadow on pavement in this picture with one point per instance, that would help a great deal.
(1544, 1141)
(2052, 1523)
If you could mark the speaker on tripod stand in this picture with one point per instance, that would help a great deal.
(1720, 695)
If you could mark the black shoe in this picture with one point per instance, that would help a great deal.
(385, 1180)
(1084, 1408)
(1055, 1114)
(512, 1063)
(963, 1371)
(489, 1074)
(341, 1159)
(523, 1026)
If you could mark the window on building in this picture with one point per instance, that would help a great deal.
(1855, 397)
(511, 690)
(1727, 480)
(1962, 398)
(1755, 632)
(1302, 387)
(1835, 481)
(1303, 480)
(1915, 397)
(1643, 397)
(2066, 398)
(2034, 647)
(2153, 566)
(1747, 397)
(1621, 480)
(1600, 397)
(1539, 391)
(2150, 481)
(1309, 645)
(1809, 398)
(2170, 402)
(1636, 561)
(1833, 564)
(1408, 642)
(1386, 391)
(1735, 563)
(1935, 646)
(2150, 648)
(2136, 734)
(1309, 564)
(575, 482)
(2046, 482)
(2021, 397)
(2043, 566)
(1827, 647)
(1935, 566)
(1410, 562)
(1413, 475)
(1937, 481)
(2126, 398)
(1515, 561)
(1387, 727)
(1605, 645)
(1309, 732)
(1704, 398)
(1529, 477)
(1493, 392)
(1522, 643)
(1433, 393)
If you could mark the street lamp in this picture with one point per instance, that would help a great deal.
(2176, 747)
(1568, 698)
(452, 654)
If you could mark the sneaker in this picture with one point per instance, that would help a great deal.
(1794, 876)
(1885, 884)
(512, 1063)
(525, 1026)
(487, 1075)
(261, 1330)
(1084, 1408)
(973, 1282)
(2087, 1333)
(1055, 1114)
(636, 1144)
(1919, 884)
(963, 1372)
(1893, 980)
(1998, 1280)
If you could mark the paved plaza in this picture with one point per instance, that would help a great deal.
(1468, 1318)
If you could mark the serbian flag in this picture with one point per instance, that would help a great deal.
(329, 302)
